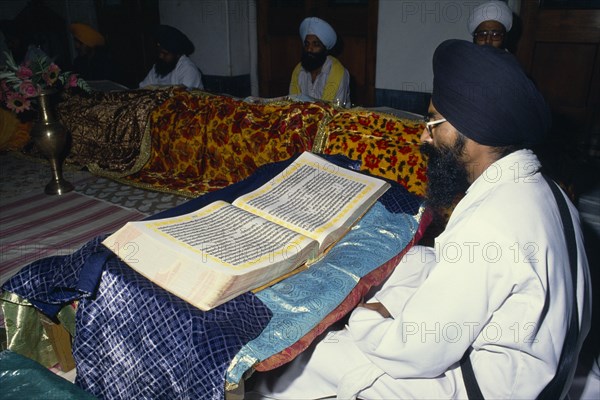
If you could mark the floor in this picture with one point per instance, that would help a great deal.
(20, 174)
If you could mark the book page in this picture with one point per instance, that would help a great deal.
(314, 197)
(226, 234)
(222, 250)
(213, 254)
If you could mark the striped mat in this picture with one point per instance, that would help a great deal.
(37, 225)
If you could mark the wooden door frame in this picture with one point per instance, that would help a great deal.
(551, 25)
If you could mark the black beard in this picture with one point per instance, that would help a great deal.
(163, 69)
(446, 174)
(313, 61)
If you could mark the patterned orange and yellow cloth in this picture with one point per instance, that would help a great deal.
(201, 142)
(386, 145)
(193, 142)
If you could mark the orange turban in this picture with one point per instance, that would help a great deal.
(87, 35)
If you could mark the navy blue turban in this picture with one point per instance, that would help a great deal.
(484, 93)
(173, 40)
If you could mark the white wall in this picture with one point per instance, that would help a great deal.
(409, 32)
(220, 30)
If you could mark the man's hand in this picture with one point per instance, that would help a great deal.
(380, 308)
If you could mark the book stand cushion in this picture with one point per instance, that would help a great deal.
(135, 340)
(306, 304)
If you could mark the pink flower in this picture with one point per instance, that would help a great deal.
(51, 75)
(28, 89)
(72, 82)
(20, 85)
(24, 72)
(17, 102)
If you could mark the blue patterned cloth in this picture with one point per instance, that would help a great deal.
(301, 301)
(135, 340)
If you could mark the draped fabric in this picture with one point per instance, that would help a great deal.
(201, 143)
(108, 128)
(14, 134)
(135, 340)
(386, 145)
(306, 304)
(194, 142)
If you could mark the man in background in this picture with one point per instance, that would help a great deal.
(490, 22)
(320, 75)
(173, 66)
(92, 62)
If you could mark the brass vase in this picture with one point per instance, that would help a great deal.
(53, 141)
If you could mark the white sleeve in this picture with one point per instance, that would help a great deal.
(343, 92)
(406, 278)
(420, 340)
(149, 79)
(189, 75)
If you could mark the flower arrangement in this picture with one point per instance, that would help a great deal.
(21, 84)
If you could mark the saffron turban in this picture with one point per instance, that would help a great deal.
(173, 40)
(87, 35)
(491, 11)
(319, 28)
(484, 93)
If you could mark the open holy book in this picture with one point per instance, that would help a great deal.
(222, 250)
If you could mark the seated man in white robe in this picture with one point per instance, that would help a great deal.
(491, 310)
(173, 66)
(319, 75)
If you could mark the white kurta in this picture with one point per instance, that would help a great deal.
(315, 89)
(498, 279)
(185, 73)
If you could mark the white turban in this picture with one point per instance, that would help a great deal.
(319, 28)
(491, 11)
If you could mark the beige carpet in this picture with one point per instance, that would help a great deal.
(35, 225)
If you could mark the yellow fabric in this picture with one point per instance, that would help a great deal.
(333, 80)
(205, 142)
(25, 330)
(294, 86)
(386, 145)
(14, 134)
(87, 35)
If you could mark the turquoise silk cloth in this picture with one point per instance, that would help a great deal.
(303, 301)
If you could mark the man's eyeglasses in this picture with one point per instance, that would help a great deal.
(429, 125)
(494, 35)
